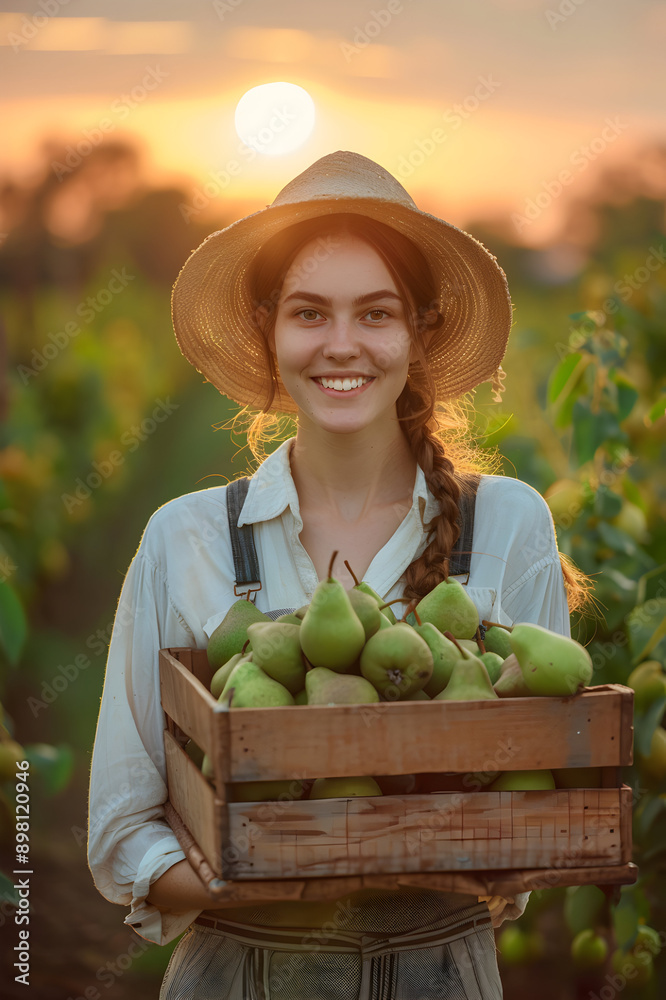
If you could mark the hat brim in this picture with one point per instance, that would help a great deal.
(212, 305)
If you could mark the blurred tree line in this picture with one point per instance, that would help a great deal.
(103, 421)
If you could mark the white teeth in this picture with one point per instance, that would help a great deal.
(343, 385)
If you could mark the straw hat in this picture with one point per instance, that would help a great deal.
(212, 304)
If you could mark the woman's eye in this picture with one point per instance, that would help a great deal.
(377, 315)
(309, 314)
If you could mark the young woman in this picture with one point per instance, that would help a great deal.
(345, 306)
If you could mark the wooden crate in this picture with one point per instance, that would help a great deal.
(480, 842)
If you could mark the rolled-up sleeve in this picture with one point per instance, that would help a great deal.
(130, 844)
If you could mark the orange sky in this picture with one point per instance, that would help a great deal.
(478, 108)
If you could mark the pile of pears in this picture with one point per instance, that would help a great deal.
(347, 648)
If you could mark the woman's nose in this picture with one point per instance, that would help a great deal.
(342, 340)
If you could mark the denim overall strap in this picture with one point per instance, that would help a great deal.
(461, 553)
(243, 549)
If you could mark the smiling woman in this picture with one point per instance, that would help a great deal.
(345, 306)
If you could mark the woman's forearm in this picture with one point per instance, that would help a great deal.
(180, 889)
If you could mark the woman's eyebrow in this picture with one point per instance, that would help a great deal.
(322, 300)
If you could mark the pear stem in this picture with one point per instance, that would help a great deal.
(479, 640)
(396, 600)
(411, 609)
(488, 624)
(352, 573)
(464, 652)
(330, 565)
(245, 645)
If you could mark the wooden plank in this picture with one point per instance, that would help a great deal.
(626, 820)
(509, 734)
(196, 660)
(484, 883)
(193, 799)
(186, 701)
(626, 724)
(420, 833)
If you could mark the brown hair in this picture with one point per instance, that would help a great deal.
(438, 432)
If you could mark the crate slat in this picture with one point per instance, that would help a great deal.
(444, 831)
(345, 740)
(186, 700)
(194, 800)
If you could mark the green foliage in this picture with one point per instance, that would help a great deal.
(608, 498)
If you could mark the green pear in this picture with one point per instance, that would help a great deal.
(331, 634)
(493, 664)
(469, 645)
(207, 767)
(244, 658)
(387, 611)
(221, 675)
(300, 612)
(365, 588)
(301, 698)
(648, 682)
(326, 687)
(194, 752)
(276, 648)
(577, 777)
(523, 781)
(397, 661)
(290, 619)
(417, 696)
(451, 609)
(511, 683)
(385, 623)
(469, 682)
(267, 791)
(552, 664)
(444, 657)
(367, 610)
(344, 788)
(496, 640)
(250, 687)
(397, 784)
(231, 634)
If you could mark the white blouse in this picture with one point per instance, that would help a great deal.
(180, 585)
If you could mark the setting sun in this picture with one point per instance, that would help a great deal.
(275, 118)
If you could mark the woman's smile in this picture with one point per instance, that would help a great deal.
(343, 385)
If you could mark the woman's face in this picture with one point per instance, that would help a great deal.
(341, 338)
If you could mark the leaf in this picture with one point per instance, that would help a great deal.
(13, 623)
(656, 411)
(8, 893)
(562, 374)
(651, 584)
(625, 920)
(606, 503)
(54, 765)
(583, 906)
(647, 627)
(645, 816)
(591, 430)
(645, 724)
(618, 540)
(626, 397)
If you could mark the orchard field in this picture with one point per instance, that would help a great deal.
(103, 421)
